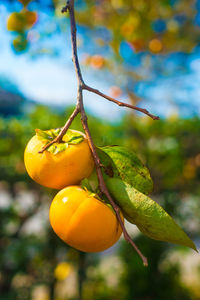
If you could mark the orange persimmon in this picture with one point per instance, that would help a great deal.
(31, 18)
(63, 164)
(97, 61)
(82, 221)
(16, 22)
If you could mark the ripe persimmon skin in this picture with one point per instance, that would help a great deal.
(59, 170)
(82, 221)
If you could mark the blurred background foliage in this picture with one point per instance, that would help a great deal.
(35, 264)
(134, 42)
(136, 45)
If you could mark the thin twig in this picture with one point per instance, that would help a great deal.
(143, 110)
(79, 74)
(65, 8)
(58, 139)
(104, 189)
(81, 87)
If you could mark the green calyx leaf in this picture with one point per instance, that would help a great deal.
(44, 135)
(56, 148)
(91, 183)
(124, 164)
(151, 219)
(87, 188)
(92, 187)
(71, 137)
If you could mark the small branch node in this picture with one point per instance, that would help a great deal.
(65, 8)
(82, 84)
(119, 103)
(84, 118)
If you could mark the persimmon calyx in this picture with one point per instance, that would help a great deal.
(71, 137)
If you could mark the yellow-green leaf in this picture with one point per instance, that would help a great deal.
(73, 137)
(124, 164)
(151, 219)
(43, 135)
(57, 148)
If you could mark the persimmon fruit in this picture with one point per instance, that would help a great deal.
(20, 21)
(20, 43)
(63, 164)
(31, 18)
(97, 61)
(16, 22)
(82, 221)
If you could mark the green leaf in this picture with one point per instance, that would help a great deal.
(52, 149)
(73, 137)
(91, 183)
(124, 164)
(151, 219)
(75, 140)
(54, 132)
(57, 148)
(43, 135)
(85, 184)
(62, 146)
(57, 131)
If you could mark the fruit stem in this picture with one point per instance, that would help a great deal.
(58, 139)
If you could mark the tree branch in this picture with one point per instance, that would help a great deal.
(144, 111)
(81, 87)
(80, 109)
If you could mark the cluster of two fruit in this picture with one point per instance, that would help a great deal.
(20, 23)
(77, 216)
